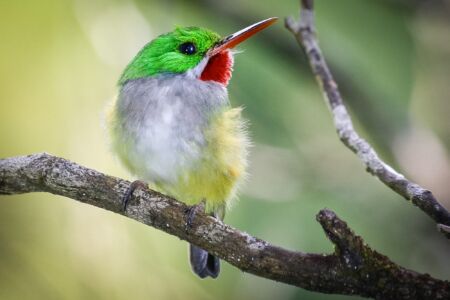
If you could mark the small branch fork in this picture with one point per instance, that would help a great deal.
(354, 268)
(304, 32)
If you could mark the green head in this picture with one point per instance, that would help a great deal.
(173, 52)
(183, 49)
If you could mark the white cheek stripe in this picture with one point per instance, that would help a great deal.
(197, 71)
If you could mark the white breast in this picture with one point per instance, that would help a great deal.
(161, 123)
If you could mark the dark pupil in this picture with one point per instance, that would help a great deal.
(187, 48)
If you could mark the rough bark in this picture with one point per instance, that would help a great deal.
(305, 33)
(354, 268)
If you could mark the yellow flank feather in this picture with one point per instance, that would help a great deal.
(216, 177)
(218, 173)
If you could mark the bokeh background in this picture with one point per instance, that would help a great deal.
(59, 64)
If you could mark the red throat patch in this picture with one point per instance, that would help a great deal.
(219, 68)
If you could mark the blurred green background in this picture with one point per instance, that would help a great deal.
(59, 64)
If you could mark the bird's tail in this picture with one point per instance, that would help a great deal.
(203, 264)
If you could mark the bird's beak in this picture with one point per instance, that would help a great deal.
(234, 39)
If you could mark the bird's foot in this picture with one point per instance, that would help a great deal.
(192, 211)
(133, 186)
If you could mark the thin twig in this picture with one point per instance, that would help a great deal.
(353, 269)
(304, 32)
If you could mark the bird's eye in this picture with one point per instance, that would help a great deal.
(188, 48)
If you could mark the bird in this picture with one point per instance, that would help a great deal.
(172, 125)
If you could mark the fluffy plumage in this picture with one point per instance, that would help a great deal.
(181, 134)
(172, 125)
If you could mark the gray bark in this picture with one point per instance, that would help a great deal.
(354, 268)
(304, 32)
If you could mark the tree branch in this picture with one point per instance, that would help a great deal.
(354, 268)
(304, 32)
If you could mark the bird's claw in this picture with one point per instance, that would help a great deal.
(192, 211)
(133, 186)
